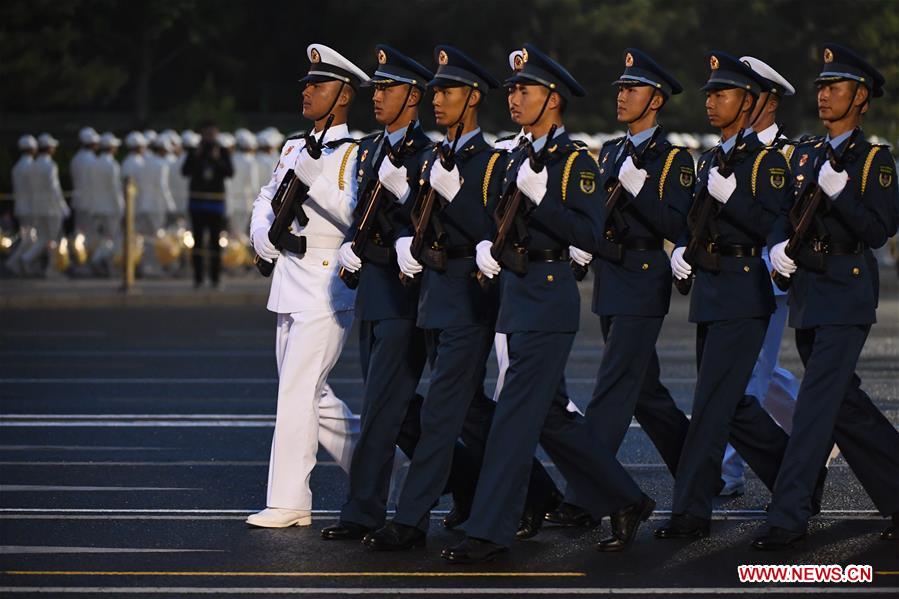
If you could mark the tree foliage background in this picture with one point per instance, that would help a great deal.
(120, 64)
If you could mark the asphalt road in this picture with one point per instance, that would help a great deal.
(134, 441)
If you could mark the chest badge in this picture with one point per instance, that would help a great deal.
(686, 177)
(777, 180)
(364, 155)
(803, 159)
(289, 150)
(885, 177)
(588, 182)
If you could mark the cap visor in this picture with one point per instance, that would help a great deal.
(442, 82)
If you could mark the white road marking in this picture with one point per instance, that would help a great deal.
(32, 549)
(53, 333)
(82, 448)
(47, 488)
(450, 591)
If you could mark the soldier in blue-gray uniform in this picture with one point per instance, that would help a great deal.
(632, 288)
(456, 315)
(392, 348)
(731, 301)
(833, 295)
(539, 313)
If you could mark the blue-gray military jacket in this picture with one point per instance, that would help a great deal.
(454, 298)
(546, 298)
(380, 294)
(742, 288)
(641, 284)
(865, 212)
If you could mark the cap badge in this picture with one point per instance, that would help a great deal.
(524, 55)
(314, 56)
(828, 55)
(382, 57)
(518, 61)
(713, 62)
(629, 60)
(442, 58)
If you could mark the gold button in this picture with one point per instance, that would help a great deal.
(324, 262)
(856, 271)
(550, 278)
(745, 269)
(645, 266)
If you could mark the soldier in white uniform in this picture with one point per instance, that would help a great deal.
(154, 200)
(108, 204)
(243, 186)
(267, 143)
(773, 386)
(82, 194)
(49, 208)
(314, 307)
(134, 161)
(22, 200)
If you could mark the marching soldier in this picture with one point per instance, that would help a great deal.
(632, 288)
(833, 298)
(392, 348)
(82, 194)
(315, 309)
(109, 203)
(49, 208)
(22, 200)
(243, 186)
(775, 387)
(456, 315)
(732, 299)
(539, 314)
(154, 200)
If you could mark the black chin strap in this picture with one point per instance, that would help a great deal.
(464, 108)
(761, 110)
(542, 110)
(740, 111)
(848, 108)
(646, 108)
(333, 103)
(403, 106)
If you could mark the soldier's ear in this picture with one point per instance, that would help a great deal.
(657, 102)
(861, 96)
(475, 98)
(346, 96)
(414, 97)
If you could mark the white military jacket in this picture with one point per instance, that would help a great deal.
(309, 282)
(106, 183)
(21, 186)
(244, 185)
(46, 193)
(80, 169)
(153, 193)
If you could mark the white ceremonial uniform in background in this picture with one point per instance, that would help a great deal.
(315, 312)
(154, 198)
(22, 201)
(242, 190)
(82, 194)
(109, 202)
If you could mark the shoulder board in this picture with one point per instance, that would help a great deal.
(614, 141)
(806, 140)
(577, 144)
(369, 137)
(506, 137)
(297, 135)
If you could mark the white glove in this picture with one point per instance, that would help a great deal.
(580, 256)
(631, 177)
(680, 267)
(263, 247)
(409, 266)
(830, 181)
(307, 168)
(347, 258)
(532, 184)
(394, 179)
(447, 183)
(721, 187)
(487, 264)
(780, 261)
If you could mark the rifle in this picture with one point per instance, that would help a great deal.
(373, 216)
(701, 219)
(806, 210)
(288, 205)
(614, 189)
(424, 218)
(508, 215)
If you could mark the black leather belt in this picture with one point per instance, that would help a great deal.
(460, 251)
(837, 248)
(548, 255)
(735, 250)
(642, 244)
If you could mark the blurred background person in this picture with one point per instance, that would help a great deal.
(268, 150)
(109, 204)
(49, 208)
(154, 202)
(23, 201)
(243, 186)
(207, 166)
(82, 194)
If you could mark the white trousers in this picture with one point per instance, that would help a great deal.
(48, 229)
(307, 346)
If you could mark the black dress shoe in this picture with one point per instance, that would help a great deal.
(891, 532)
(568, 514)
(457, 516)
(394, 536)
(625, 524)
(345, 531)
(473, 551)
(777, 538)
(532, 518)
(683, 526)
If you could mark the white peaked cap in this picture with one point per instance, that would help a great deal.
(765, 70)
(27, 142)
(516, 60)
(88, 136)
(45, 140)
(108, 140)
(135, 139)
(327, 63)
